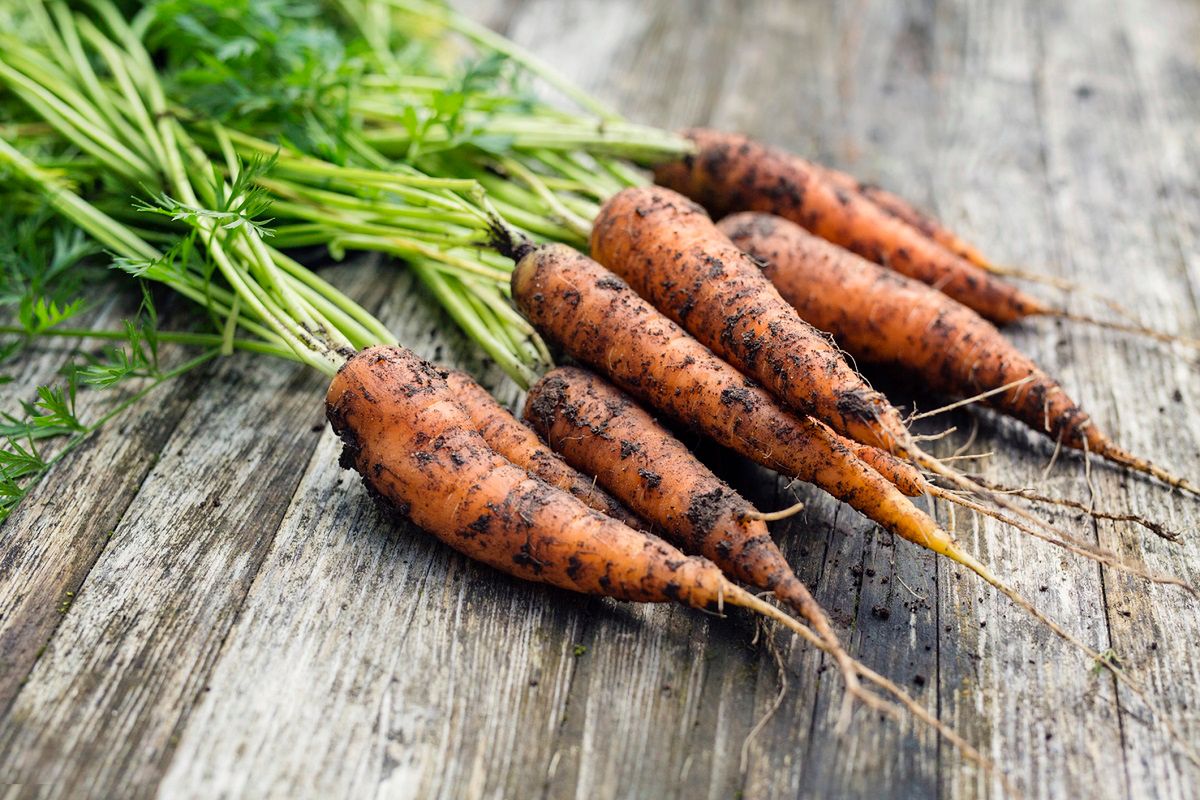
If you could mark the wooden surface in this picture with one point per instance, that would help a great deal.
(201, 603)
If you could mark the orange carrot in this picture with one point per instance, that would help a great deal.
(901, 474)
(418, 453)
(672, 254)
(601, 431)
(936, 232)
(882, 317)
(906, 212)
(731, 173)
(508, 437)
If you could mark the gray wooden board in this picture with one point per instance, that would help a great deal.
(254, 627)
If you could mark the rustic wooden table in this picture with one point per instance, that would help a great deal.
(202, 603)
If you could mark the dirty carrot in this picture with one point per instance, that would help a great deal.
(672, 254)
(882, 317)
(600, 430)
(419, 454)
(906, 212)
(505, 434)
(901, 474)
(934, 230)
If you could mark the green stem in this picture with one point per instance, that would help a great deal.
(80, 437)
(172, 337)
(379, 334)
(84, 133)
(75, 58)
(113, 58)
(378, 205)
(409, 248)
(459, 309)
(637, 143)
(574, 222)
(98, 225)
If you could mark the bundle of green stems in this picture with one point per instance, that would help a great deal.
(421, 145)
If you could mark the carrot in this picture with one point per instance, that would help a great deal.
(901, 474)
(731, 173)
(418, 452)
(672, 254)
(882, 317)
(600, 321)
(601, 431)
(906, 212)
(933, 229)
(508, 437)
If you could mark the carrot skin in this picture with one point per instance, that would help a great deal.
(505, 434)
(601, 431)
(417, 452)
(881, 317)
(732, 173)
(901, 474)
(906, 212)
(602, 322)
(670, 252)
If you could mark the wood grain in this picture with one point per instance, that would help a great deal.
(55, 535)
(293, 642)
(100, 709)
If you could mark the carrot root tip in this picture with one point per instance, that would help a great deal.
(773, 516)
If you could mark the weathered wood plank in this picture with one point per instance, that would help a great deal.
(55, 534)
(101, 711)
(1105, 140)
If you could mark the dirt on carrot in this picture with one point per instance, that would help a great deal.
(601, 431)
(670, 252)
(505, 434)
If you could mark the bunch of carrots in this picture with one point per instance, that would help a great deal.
(534, 225)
